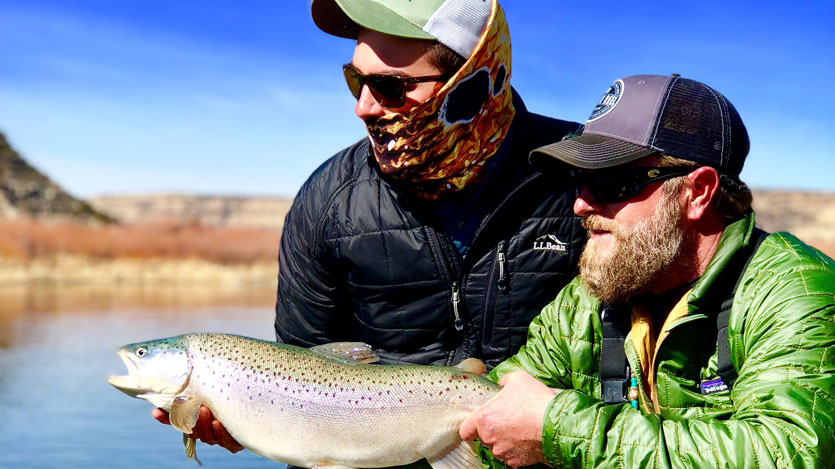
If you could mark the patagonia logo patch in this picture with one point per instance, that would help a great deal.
(713, 386)
(549, 243)
(608, 102)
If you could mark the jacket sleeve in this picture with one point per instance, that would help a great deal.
(308, 299)
(783, 407)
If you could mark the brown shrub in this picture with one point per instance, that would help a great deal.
(29, 239)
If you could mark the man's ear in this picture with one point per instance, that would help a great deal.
(702, 186)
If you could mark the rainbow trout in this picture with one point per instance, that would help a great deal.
(318, 407)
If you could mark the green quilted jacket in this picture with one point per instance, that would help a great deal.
(780, 412)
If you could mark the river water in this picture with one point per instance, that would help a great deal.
(58, 346)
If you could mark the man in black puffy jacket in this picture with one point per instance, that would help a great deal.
(433, 239)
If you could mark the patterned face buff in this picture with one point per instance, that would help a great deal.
(443, 144)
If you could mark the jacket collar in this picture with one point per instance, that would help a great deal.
(723, 266)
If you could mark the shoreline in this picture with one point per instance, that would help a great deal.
(69, 269)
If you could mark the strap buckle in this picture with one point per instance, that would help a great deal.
(614, 391)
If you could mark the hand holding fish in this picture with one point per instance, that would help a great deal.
(208, 429)
(510, 423)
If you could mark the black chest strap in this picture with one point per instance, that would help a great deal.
(614, 368)
(616, 323)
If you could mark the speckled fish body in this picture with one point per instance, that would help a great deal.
(305, 408)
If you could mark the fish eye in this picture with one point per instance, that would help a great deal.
(141, 351)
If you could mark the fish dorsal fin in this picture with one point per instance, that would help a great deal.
(472, 365)
(460, 456)
(350, 353)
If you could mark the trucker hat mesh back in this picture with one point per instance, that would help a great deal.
(691, 125)
(737, 140)
(699, 124)
(458, 24)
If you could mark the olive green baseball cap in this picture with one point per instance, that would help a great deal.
(457, 24)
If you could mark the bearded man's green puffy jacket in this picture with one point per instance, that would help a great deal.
(779, 413)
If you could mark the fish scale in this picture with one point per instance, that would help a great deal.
(308, 408)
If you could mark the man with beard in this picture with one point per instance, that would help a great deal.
(691, 338)
(433, 239)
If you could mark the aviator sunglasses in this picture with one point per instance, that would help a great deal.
(617, 185)
(388, 90)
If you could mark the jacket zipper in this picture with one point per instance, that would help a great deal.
(492, 215)
(500, 255)
(632, 358)
(459, 324)
(446, 264)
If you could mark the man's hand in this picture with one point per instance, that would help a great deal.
(208, 430)
(510, 423)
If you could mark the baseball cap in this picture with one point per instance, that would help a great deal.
(457, 24)
(645, 114)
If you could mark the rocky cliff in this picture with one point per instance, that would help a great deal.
(25, 191)
(209, 210)
(809, 215)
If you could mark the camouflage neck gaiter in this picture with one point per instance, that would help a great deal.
(443, 144)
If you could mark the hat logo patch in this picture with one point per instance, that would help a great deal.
(549, 243)
(608, 102)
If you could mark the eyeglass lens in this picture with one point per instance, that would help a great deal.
(626, 183)
(389, 91)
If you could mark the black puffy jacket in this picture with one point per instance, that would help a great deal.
(359, 262)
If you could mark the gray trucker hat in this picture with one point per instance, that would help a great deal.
(645, 114)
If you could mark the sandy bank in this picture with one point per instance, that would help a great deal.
(68, 269)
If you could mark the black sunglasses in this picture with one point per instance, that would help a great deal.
(388, 90)
(619, 184)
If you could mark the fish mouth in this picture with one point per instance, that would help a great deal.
(130, 383)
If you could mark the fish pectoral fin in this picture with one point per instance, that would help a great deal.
(349, 353)
(460, 456)
(472, 365)
(191, 448)
(184, 413)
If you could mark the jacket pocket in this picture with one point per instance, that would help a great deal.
(498, 283)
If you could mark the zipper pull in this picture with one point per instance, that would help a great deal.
(459, 324)
(500, 256)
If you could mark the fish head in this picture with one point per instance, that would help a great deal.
(158, 370)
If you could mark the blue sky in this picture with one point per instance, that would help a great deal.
(247, 97)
